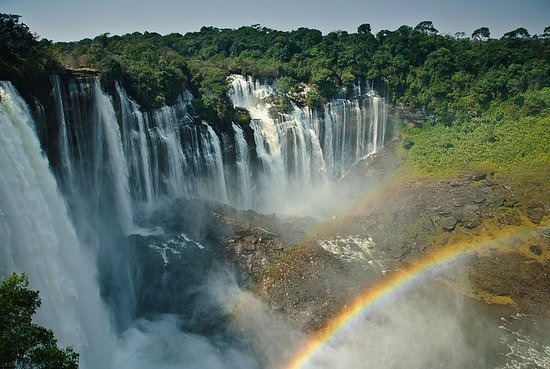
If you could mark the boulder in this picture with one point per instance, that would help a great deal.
(448, 223)
(535, 250)
(498, 202)
(250, 243)
(477, 176)
(470, 219)
(535, 213)
(479, 198)
(509, 219)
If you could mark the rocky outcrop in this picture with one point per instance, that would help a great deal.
(535, 213)
(308, 270)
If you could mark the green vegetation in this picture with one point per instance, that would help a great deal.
(508, 136)
(486, 100)
(24, 60)
(24, 344)
(448, 76)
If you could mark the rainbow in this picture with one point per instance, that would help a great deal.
(391, 284)
(373, 191)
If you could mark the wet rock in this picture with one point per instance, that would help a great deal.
(535, 213)
(479, 198)
(509, 219)
(477, 177)
(448, 223)
(535, 250)
(355, 247)
(489, 179)
(470, 219)
(397, 250)
(250, 243)
(498, 202)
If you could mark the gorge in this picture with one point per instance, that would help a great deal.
(124, 172)
(278, 223)
(116, 165)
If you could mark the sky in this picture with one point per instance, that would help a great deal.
(69, 20)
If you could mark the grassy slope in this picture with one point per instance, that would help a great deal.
(505, 139)
(512, 141)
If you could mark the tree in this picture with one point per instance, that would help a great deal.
(24, 61)
(426, 27)
(15, 38)
(481, 34)
(24, 344)
(546, 33)
(364, 29)
(516, 34)
(460, 35)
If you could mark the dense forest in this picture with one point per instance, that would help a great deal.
(471, 92)
(465, 103)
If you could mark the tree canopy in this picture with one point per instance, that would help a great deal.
(23, 59)
(481, 33)
(24, 344)
(444, 75)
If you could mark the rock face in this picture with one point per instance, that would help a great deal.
(403, 219)
(448, 223)
(309, 285)
(535, 213)
(308, 270)
(513, 275)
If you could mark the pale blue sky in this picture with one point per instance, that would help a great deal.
(65, 20)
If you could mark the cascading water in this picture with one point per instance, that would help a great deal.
(116, 164)
(104, 118)
(166, 153)
(305, 148)
(38, 238)
(243, 169)
(103, 175)
(163, 154)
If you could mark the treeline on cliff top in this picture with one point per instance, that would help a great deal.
(445, 75)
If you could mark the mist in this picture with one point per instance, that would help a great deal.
(137, 264)
(427, 326)
(424, 328)
(161, 344)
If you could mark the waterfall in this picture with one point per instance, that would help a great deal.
(38, 238)
(243, 168)
(127, 160)
(68, 220)
(214, 163)
(65, 149)
(306, 148)
(136, 145)
(116, 163)
(104, 117)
